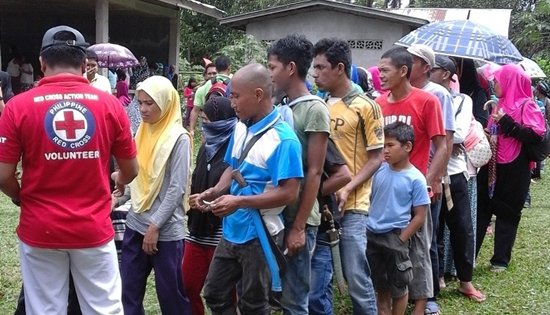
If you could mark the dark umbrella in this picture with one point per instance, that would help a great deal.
(114, 56)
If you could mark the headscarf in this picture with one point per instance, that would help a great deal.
(222, 119)
(155, 142)
(375, 73)
(122, 93)
(517, 102)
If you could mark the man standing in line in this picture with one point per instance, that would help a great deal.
(357, 130)
(61, 126)
(261, 182)
(289, 60)
(423, 63)
(422, 111)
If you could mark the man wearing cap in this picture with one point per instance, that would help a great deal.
(96, 80)
(65, 131)
(421, 110)
(423, 62)
(459, 220)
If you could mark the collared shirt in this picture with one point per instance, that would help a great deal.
(356, 127)
(102, 83)
(66, 132)
(276, 156)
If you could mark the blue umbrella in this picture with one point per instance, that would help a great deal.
(465, 39)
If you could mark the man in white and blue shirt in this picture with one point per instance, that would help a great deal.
(266, 179)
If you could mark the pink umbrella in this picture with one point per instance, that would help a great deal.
(114, 56)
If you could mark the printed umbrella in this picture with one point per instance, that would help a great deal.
(532, 68)
(114, 56)
(465, 39)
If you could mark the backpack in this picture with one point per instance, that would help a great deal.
(476, 145)
(218, 88)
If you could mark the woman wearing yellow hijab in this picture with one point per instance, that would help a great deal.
(155, 227)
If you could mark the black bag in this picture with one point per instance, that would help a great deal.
(538, 151)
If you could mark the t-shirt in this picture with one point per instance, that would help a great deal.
(66, 131)
(356, 125)
(102, 83)
(13, 68)
(309, 115)
(394, 193)
(27, 78)
(200, 95)
(446, 101)
(421, 110)
(267, 163)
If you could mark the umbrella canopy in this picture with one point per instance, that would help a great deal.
(532, 68)
(465, 39)
(114, 56)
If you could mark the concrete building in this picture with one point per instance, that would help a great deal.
(369, 31)
(148, 28)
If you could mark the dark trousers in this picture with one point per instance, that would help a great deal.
(234, 262)
(512, 185)
(136, 267)
(459, 221)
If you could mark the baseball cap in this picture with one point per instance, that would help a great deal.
(423, 52)
(63, 35)
(445, 63)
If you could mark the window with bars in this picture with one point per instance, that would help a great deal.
(367, 44)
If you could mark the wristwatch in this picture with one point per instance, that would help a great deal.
(1, 98)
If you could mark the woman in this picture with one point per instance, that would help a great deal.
(504, 182)
(155, 225)
(122, 88)
(205, 232)
(189, 94)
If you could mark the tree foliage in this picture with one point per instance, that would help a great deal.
(244, 51)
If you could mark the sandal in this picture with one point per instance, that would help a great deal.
(432, 308)
(474, 295)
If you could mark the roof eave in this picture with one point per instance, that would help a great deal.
(241, 20)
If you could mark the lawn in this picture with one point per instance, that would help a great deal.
(523, 289)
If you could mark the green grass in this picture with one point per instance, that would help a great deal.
(523, 289)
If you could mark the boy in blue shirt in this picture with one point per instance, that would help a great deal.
(399, 203)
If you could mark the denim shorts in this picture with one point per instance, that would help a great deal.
(391, 267)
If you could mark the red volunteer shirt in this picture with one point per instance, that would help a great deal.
(420, 110)
(65, 130)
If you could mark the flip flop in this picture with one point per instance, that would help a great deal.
(474, 295)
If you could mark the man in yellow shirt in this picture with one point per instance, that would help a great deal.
(357, 129)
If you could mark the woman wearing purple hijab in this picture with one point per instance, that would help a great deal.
(504, 182)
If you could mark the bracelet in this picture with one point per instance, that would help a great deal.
(1, 98)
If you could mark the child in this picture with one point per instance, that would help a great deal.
(398, 210)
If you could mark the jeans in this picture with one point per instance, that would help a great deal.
(296, 281)
(435, 209)
(353, 252)
(320, 294)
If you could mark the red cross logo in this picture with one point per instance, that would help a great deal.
(70, 125)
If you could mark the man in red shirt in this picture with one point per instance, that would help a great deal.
(65, 131)
(422, 111)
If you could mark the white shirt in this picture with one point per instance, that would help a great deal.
(102, 83)
(27, 78)
(13, 69)
(457, 163)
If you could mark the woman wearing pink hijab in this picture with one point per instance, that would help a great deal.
(503, 183)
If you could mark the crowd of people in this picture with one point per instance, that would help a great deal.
(366, 179)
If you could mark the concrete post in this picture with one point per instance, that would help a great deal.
(102, 25)
(174, 42)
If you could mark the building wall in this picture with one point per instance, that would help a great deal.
(323, 23)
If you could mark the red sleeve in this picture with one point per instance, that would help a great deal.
(434, 117)
(123, 146)
(10, 145)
